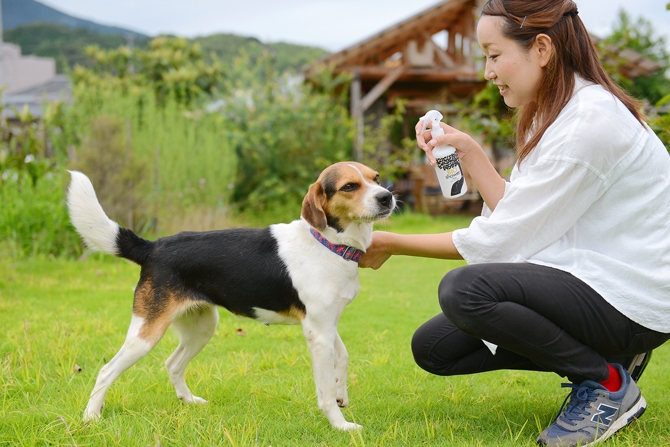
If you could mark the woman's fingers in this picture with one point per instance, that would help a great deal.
(375, 256)
(421, 137)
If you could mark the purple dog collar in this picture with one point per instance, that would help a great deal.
(347, 252)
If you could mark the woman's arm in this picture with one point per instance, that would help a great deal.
(491, 186)
(385, 244)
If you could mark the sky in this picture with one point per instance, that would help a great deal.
(329, 24)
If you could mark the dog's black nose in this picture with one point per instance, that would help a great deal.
(385, 199)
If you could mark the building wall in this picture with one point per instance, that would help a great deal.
(19, 73)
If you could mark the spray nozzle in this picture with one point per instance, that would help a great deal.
(433, 117)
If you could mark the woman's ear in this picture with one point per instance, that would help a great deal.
(543, 48)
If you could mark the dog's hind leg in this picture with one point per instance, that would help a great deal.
(195, 328)
(136, 346)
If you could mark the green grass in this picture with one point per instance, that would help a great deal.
(58, 314)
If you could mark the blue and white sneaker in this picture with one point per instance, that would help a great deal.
(593, 413)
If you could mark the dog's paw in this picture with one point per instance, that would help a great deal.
(199, 400)
(91, 415)
(349, 426)
(192, 399)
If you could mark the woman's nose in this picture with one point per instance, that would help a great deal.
(489, 74)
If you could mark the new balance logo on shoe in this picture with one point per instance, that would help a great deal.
(605, 415)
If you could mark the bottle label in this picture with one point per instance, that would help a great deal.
(451, 165)
(453, 174)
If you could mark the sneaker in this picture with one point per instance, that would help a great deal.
(634, 364)
(593, 413)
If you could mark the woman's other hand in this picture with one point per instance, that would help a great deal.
(376, 255)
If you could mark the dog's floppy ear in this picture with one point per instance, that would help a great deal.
(313, 207)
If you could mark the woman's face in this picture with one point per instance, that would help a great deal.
(515, 71)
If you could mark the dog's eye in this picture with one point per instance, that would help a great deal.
(377, 179)
(349, 187)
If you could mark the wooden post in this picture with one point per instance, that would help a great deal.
(356, 105)
(381, 87)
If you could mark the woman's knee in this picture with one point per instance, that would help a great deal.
(468, 293)
(422, 348)
(455, 293)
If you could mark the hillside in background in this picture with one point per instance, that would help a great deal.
(62, 43)
(67, 46)
(43, 31)
(286, 56)
(21, 12)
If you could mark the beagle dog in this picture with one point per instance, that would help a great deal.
(303, 272)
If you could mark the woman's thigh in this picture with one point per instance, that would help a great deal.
(439, 347)
(531, 300)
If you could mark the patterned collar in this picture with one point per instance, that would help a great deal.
(347, 252)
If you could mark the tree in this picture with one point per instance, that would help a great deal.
(640, 36)
(171, 66)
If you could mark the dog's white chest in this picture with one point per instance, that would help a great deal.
(319, 276)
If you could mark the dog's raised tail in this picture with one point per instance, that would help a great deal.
(98, 231)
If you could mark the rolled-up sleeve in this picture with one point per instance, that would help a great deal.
(536, 210)
(486, 211)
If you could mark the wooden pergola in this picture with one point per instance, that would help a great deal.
(427, 59)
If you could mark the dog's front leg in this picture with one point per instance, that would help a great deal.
(341, 368)
(321, 338)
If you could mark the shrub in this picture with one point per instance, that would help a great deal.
(660, 121)
(34, 218)
(168, 158)
(120, 178)
(285, 133)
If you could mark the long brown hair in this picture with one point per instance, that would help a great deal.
(574, 52)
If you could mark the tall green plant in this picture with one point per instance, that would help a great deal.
(120, 177)
(33, 218)
(181, 157)
(284, 132)
(172, 67)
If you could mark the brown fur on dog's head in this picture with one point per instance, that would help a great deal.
(339, 196)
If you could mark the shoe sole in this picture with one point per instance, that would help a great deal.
(628, 417)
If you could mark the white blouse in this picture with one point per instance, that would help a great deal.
(592, 199)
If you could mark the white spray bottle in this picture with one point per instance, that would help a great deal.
(448, 166)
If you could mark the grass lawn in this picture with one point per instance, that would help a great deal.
(62, 320)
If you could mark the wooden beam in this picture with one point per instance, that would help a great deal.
(382, 86)
(373, 73)
(451, 43)
(425, 20)
(440, 53)
(385, 44)
(356, 111)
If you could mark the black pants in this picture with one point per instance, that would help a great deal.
(541, 318)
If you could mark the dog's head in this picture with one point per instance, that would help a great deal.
(346, 192)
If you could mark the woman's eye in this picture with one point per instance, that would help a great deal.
(349, 187)
(493, 57)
